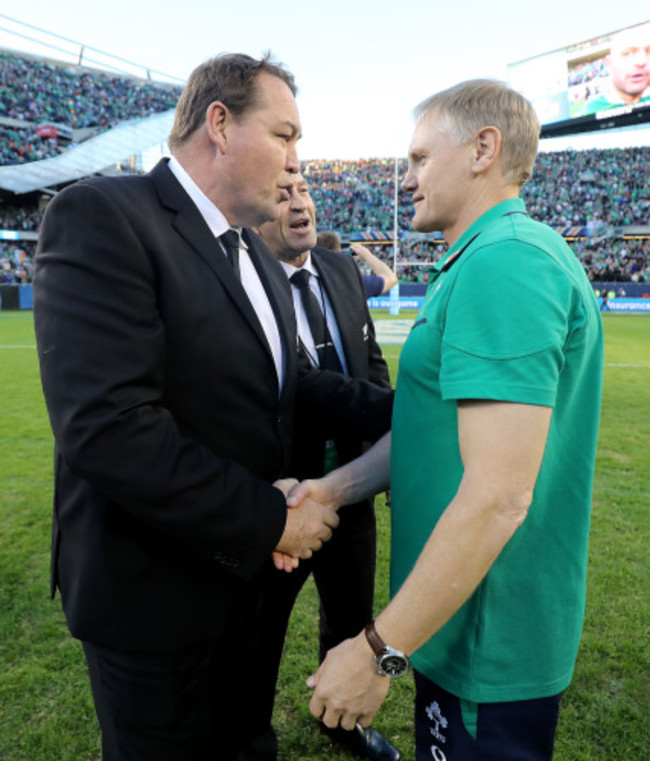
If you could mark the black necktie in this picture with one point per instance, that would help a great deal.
(230, 241)
(328, 359)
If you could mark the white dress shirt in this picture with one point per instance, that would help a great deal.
(304, 332)
(250, 280)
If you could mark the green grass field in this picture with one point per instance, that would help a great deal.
(46, 710)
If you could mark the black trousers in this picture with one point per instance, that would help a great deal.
(344, 573)
(182, 705)
(449, 729)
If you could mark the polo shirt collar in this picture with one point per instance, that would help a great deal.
(510, 206)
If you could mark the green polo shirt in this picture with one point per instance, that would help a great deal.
(511, 318)
(603, 103)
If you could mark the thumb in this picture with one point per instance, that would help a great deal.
(312, 681)
(298, 493)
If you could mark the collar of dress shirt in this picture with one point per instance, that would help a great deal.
(214, 219)
(307, 265)
(250, 280)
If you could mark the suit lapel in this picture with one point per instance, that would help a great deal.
(278, 291)
(191, 226)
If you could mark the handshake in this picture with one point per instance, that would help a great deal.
(312, 504)
(311, 520)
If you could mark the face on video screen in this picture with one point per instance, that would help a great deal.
(602, 73)
(628, 62)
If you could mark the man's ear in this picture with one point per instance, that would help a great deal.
(218, 119)
(487, 148)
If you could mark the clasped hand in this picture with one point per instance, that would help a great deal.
(347, 687)
(311, 519)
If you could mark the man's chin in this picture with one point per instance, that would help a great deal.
(422, 226)
(300, 238)
(292, 257)
(268, 213)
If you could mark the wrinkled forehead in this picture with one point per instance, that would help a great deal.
(426, 128)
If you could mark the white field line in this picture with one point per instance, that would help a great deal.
(621, 364)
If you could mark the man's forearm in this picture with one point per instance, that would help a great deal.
(464, 544)
(502, 446)
(364, 477)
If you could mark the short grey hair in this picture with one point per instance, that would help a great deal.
(469, 107)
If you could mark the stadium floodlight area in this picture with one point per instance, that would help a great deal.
(581, 88)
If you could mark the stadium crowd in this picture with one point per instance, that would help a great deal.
(36, 91)
(16, 262)
(18, 146)
(25, 217)
(596, 191)
(604, 259)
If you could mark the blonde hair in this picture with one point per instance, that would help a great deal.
(469, 107)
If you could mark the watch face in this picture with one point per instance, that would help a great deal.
(393, 664)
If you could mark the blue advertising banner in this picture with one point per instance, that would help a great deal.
(405, 302)
(638, 306)
(626, 305)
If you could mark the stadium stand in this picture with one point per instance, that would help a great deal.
(18, 146)
(59, 122)
(598, 199)
(35, 91)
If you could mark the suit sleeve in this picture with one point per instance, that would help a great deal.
(102, 350)
(337, 405)
(343, 406)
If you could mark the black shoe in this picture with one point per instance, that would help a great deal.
(367, 743)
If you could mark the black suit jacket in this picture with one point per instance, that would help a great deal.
(340, 278)
(168, 420)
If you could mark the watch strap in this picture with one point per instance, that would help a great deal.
(379, 647)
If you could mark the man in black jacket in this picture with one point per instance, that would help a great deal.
(336, 332)
(170, 373)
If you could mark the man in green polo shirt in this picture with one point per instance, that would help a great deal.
(492, 455)
(628, 69)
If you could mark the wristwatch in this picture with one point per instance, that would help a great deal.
(390, 662)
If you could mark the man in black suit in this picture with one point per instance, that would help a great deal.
(170, 373)
(336, 331)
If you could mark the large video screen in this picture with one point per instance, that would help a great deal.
(608, 76)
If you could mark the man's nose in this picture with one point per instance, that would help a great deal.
(409, 183)
(292, 164)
